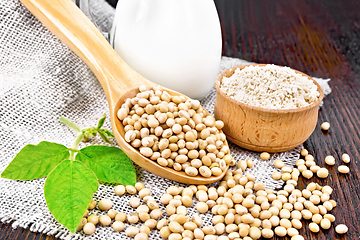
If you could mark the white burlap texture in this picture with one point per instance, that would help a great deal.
(42, 80)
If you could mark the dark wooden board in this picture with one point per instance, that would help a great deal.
(322, 39)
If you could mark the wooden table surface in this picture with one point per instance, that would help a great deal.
(322, 39)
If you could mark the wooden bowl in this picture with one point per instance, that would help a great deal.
(260, 129)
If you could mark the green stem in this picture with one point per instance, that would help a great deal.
(73, 149)
(70, 124)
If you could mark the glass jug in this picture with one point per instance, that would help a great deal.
(174, 43)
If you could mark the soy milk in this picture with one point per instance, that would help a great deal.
(174, 43)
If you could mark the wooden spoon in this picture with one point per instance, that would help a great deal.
(119, 81)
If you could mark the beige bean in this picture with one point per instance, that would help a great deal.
(322, 173)
(120, 217)
(267, 233)
(313, 227)
(93, 219)
(325, 126)
(118, 226)
(247, 218)
(186, 200)
(165, 232)
(165, 199)
(112, 213)
(196, 219)
(155, 214)
(343, 169)
(89, 228)
(255, 233)
(309, 157)
(278, 163)
(208, 230)
(280, 231)
(315, 169)
(131, 231)
(330, 160)
(190, 226)
(198, 233)
(170, 209)
(306, 214)
(292, 232)
(141, 236)
(341, 229)
(286, 176)
(330, 217)
(285, 223)
(325, 223)
(202, 207)
(175, 236)
(120, 190)
(187, 234)
(105, 204)
(307, 174)
(275, 221)
(286, 169)
(175, 227)
(191, 171)
(304, 152)
(276, 175)
(296, 223)
(222, 209)
(346, 158)
(265, 156)
(133, 217)
(151, 223)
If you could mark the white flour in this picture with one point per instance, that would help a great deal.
(271, 87)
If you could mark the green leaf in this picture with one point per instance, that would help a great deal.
(110, 164)
(105, 134)
(101, 121)
(35, 161)
(68, 190)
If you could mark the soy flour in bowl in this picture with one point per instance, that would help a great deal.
(271, 87)
(267, 107)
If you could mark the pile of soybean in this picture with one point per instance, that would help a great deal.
(242, 208)
(176, 132)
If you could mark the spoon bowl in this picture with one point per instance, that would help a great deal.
(146, 163)
(119, 81)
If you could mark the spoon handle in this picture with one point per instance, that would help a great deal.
(64, 19)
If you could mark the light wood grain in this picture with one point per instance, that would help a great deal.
(261, 129)
(119, 81)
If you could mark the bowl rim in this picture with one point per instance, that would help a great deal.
(260, 109)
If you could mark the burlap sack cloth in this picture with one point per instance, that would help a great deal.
(41, 80)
